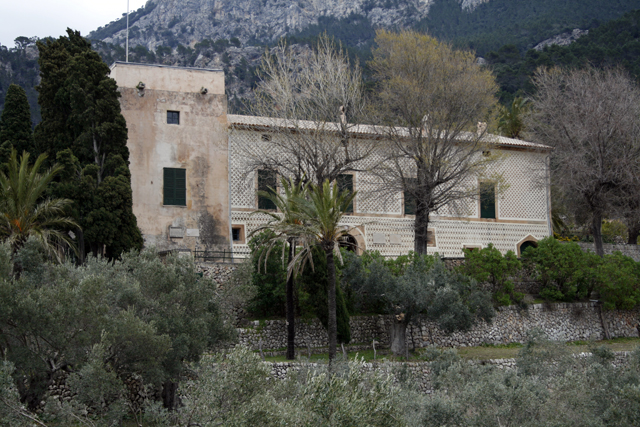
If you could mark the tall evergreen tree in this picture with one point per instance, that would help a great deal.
(15, 124)
(83, 129)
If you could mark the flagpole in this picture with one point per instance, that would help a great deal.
(127, 53)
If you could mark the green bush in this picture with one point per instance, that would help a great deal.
(488, 265)
(269, 279)
(566, 272)
(618, 282)
(313, 283)
(104, 321)
(237, 391)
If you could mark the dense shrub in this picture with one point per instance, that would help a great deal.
(425, 287)
(312, 285)
(618, 282)
(566, 272)
(236, 391)
(269, 278)
(105, 320)
(490, 266)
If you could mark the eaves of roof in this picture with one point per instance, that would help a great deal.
(364, 131)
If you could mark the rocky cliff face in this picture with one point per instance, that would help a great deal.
(253, 21)
(563, 39)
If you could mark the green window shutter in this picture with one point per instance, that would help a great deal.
(169, 183)
(267, 183)
(181, 187)
(487, 200)
(345, 183)
(409, 204)
(175, 187)
(409, 198)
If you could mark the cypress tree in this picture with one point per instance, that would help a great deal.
(83, 129)
(15, 124)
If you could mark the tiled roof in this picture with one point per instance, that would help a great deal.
(364, 130)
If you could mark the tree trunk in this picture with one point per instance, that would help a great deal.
(291, 318)
(82, 255)
(634, 232)
(596, 229)
(398, 337)
(421, 229)
(332, 322)
(169, 389)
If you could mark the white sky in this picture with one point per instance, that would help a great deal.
(44, 18)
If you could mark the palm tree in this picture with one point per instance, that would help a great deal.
(23, 211)
(511, 120)
(285, 227)
(320, 213)
(310, 215)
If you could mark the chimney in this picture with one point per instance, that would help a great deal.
(482, 128)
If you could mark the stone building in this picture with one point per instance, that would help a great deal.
(178, 144)
(193, 187)
(382, 220)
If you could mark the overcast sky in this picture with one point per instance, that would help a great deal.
(44, 18)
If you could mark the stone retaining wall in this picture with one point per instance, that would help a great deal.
(560, 321)
(420, 372)
(632, 251)
(219, 272)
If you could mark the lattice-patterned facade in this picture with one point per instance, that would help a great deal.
(378, 221)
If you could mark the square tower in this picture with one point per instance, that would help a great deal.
(178, 144)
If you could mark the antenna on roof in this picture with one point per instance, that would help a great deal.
(127, 50)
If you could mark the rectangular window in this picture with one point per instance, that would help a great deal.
(345, 182)
(487, 200)
(409, 198)
(175, 187)
(266, 183)
(431, 238)
(173, 117)
(237, 234)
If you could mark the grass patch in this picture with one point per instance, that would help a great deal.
(482, 352)
(510, 345)
(367, 355)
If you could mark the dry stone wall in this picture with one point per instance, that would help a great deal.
(560, 321)
(219, 272)
(632, 251)
(420, 372)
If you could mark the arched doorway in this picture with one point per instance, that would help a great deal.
(527, 242)
(348, 242)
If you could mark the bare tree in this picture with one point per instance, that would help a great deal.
(430, 97)
(592, 118)
(311, 99)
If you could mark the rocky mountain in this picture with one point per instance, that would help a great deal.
(186, 22)
(564, 39)
(233, 34)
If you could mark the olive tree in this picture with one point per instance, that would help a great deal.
(592, 119)
(431, 99)
(149, 317)
(453, 301)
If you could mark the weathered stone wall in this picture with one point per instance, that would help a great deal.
(560, 321)
(217, 271)
(632, 251)
(420, 372)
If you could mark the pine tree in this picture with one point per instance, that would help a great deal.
(15, 124)
(83, 129)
